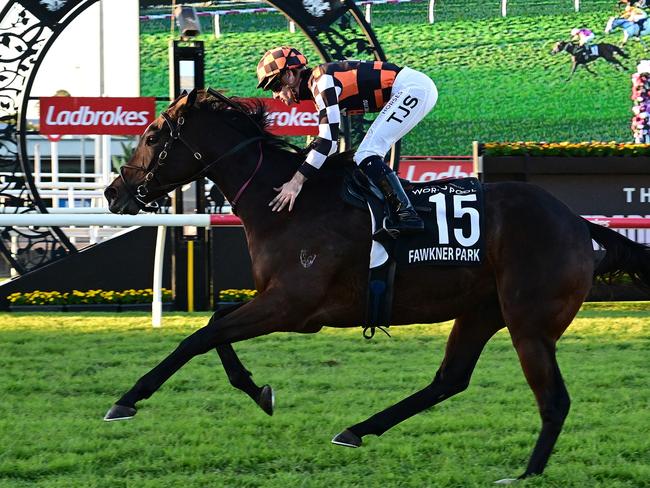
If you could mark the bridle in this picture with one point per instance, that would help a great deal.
(174, 127)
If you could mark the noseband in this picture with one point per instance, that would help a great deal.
(174, 127)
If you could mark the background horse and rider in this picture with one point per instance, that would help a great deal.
(538, 265)
(630, 29)
(583, 55)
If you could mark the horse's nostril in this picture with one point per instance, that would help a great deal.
(110, 194)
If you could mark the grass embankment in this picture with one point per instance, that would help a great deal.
(60, 373)
(496, 77)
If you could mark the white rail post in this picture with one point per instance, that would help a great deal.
(107, 162)
(158, 261)
(14, 252)
(217, 25)
(432, 10)
(576, 5)
(504, 8)
(368, 13)
(292, 27)
(54, 168)
(37, 163)
(98, 158)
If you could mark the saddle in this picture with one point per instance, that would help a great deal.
(447, 239)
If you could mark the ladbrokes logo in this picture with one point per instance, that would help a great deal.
(296, 120)
(74, 115)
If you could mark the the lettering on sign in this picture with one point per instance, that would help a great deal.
(443, 254)
(632, 195)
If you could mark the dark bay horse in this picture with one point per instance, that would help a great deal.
(582, 57)
(538, 267)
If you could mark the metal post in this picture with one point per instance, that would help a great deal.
(190, 276)
(576, 5)
(106, 160)
(37, 163)
(54, 168)
(292, 27)
(432, 9)
(217, 25)
(368, 12)
(504, 8)
(158, 261)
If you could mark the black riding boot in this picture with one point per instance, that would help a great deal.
(403, 217)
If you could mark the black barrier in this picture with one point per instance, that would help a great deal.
(590, 186)
(121, 263)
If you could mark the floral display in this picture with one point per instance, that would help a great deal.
(641, 108)
(232, 295)
(76, 297)
(566, 149)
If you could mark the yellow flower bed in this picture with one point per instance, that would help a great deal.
(233, 295)
(38, 297)
(569, 149)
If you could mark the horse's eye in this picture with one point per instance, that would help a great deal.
(151, 140)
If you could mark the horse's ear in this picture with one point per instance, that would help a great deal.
(191, 98)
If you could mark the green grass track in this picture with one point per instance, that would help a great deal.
(61, 372)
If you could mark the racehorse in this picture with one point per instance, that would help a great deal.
(581, 56)
(630, 29)
(538, 265)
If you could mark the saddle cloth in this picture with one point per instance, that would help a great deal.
(452, 210)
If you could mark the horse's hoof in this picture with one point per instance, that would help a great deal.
(266, 399)
(506, 481)
(347, 438)
(119, 412)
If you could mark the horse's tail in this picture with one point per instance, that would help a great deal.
(622, 255)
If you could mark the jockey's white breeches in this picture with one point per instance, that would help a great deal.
(413, 96)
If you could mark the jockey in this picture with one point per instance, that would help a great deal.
(635, 14)
(583, 36)
(404, 96)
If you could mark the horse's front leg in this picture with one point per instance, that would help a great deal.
(573, 70)
(237, 373)
(258, 317)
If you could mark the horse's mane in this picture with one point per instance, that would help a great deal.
(257, 113)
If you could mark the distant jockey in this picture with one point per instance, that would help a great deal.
(635, 14)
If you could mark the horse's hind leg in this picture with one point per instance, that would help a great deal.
(537, 357)
(466, 341)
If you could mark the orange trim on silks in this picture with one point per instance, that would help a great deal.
(377, 65)
(379, 98)
(349, 81)
(387, 78)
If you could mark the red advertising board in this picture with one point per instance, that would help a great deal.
(296, 120)
(424, 170)
(96, 115)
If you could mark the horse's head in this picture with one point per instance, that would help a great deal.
(559, 47)
(197, 133)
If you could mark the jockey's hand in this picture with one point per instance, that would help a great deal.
(288, 193)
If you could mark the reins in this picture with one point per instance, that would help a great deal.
(175, 134)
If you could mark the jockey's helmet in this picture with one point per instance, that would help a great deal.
(575, 32)
(275, 62)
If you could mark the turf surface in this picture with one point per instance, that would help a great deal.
(61, 372)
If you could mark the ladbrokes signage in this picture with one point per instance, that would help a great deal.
(296, 120)
(90, 115)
